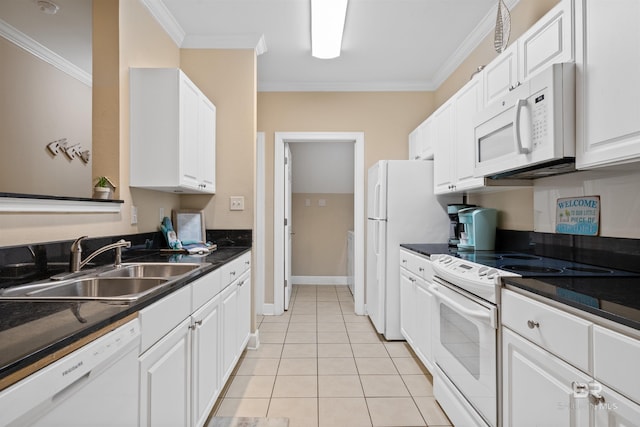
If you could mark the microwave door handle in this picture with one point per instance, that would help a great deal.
(485, 316)
(520, 104)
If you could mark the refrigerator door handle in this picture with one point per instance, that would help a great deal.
(376, 200)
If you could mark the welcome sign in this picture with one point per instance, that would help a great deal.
(578, 215)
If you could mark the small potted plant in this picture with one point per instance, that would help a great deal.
(103, 188)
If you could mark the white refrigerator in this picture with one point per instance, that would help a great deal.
(401, 208)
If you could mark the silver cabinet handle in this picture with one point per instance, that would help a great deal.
(531, 324)
(241, 283)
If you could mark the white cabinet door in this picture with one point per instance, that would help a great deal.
(423, 324)
(229, 328)
(615, 410)
(407, 306)
(165, 390)
(244, 310)
(189, 134)
(207, 138)
(538, 387)
(414, 144)
(501, 74)
(607, 93)
(548, 41)
(444, 150)
(421, 142)
(205, 365)
(467, 103)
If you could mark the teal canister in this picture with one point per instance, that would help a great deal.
(484, 228)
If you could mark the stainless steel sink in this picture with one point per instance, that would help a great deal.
(151, 269)
(111, 288)
(125, 284)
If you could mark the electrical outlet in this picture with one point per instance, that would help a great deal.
(161, 214)
(134, 215)
(236, 203)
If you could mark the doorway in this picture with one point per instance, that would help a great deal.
(280, 235)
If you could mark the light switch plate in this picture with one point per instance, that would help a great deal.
(236, 203)
(134, 215)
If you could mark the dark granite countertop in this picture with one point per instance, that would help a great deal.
(612, 298)
(30, 331)
(615, 298)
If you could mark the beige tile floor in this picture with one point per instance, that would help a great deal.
(321, 365)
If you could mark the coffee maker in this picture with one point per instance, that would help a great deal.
(479, 232)
(455, 228)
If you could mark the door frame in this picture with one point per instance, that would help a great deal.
(282, 138)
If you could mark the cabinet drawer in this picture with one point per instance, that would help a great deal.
(232, 270)
(204, 289)
(615, 361)
(560, 333)
(416, 264)
(161, 317)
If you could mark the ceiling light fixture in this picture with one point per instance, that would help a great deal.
(48, 7)
(327, 25)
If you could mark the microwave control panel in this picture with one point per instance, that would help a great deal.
(539, 119)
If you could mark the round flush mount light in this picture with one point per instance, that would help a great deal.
(48, 7)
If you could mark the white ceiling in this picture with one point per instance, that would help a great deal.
(387, 44)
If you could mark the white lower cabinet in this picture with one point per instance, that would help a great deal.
(537, 387)
(416, 306)
(183, 367)
(235, 303)
(229, 314)
(165, 388)
(592, 381)
(206, 375)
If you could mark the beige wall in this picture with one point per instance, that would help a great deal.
(126, 35)
(41, 104)
(386, 118)
(228, 78)
(319, 245)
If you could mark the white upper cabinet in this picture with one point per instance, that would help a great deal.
(444, 150)
(607, 91)
(548, 41)
(501, 74)
(421, 141)
(453, 125)
(467, 103)
(173, 133)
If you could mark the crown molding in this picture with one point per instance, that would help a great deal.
(41, 52)
(234, 41)
(424, 86)
(473, 40)
(166, 20)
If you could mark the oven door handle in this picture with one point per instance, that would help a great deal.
(485, 316)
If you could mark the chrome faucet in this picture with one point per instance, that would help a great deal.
(76, 262)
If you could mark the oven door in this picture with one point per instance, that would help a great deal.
(465, 346)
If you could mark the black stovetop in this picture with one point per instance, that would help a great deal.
(609, 293)
(530, 265)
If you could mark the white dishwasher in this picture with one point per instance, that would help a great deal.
(96, 385)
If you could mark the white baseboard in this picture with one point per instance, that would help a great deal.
(254, 340)
(268, 309)
(319, 280)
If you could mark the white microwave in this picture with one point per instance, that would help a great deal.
(529, 132)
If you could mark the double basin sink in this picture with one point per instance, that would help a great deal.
(126, 283)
